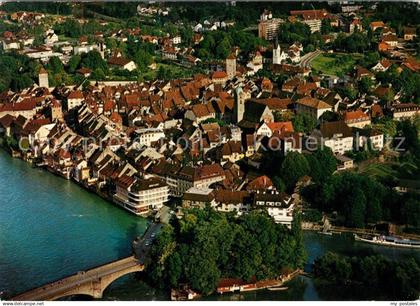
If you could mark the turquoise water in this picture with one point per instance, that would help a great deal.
(50, 228)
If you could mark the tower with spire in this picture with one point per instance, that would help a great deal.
(276, 52)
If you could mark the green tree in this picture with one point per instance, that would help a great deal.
(303, 123)
(93, 60)
(294, 167)
(365, 84)
(73, 63)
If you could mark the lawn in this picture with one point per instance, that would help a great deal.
(334, 63)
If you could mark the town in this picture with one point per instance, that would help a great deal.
(308, 110)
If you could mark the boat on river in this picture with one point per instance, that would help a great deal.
(388, 241)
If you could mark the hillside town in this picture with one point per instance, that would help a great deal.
(202, 139)
(308, 115)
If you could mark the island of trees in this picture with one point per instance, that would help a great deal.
(205, 246)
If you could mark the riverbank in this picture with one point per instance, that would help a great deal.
(315, 227)
(52, 228)
(87, 185)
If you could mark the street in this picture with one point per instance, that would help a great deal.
(142, 245)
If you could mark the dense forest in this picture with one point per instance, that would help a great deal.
(376, 276)
(206, 245)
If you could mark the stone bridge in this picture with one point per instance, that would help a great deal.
(92, 282)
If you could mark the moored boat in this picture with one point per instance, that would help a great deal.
(388, 241)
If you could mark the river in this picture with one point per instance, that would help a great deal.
(50, 228)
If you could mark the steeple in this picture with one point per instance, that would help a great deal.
(276, 52)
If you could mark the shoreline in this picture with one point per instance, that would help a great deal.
(18, 155)
(338, 230)
(306, 226)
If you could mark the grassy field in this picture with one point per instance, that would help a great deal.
(335, 63)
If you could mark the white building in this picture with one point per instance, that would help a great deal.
(279, 206)
(337, 136)
(141, 196)
(145, 137)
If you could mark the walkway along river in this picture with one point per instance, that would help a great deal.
(51, 228)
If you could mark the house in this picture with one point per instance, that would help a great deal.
(231, 151)
(198, 197)
(238, 202)
(254, 114)
(256, 62)
(409, 33)
(5, 125)
(169, 53)
(199, 177)
(371, 139)
(268, 129)
(146, 136)
(278, 205)
(312, 106)
(376, 25)
(405, 111)
(74, 99)
(219, 77)
(122, 63)
(260, 184)
(391, 40)
(176, 40)
(383, 47)
(140, 196)
(343, 162)
(335, 135)
(26, 108)
(357, 119)
(362, 72)
(50, 37)
(200, 112)
(382, 65)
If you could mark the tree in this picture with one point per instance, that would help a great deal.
(293, 168)
(279, 184)
(304, 123)
(73, 63)
(365, 84)
(323, 164)
(411, 212)
(55, 65)
(93, 60)
(143, 59)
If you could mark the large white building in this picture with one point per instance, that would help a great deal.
(145, 137)
(337, 136)
(279, 206)
(141, 196)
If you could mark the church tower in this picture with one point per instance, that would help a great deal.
(276, 53)
(231, 66)
(241, 95)
(43, 78)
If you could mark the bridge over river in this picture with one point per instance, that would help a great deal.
(92, 282)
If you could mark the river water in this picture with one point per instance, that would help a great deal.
(50, 228)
